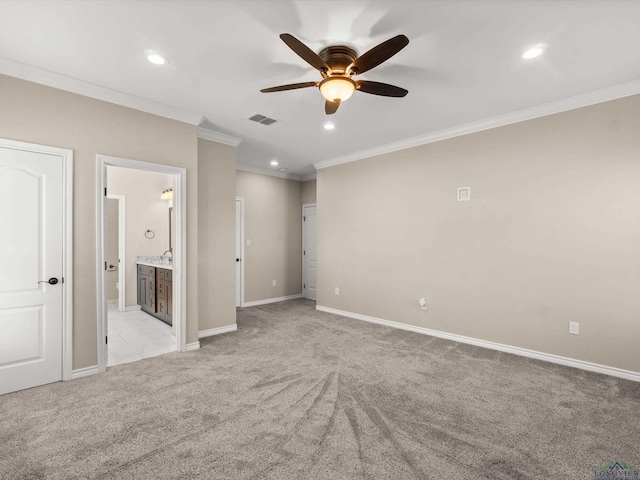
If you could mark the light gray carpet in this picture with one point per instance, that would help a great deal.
(297, 393)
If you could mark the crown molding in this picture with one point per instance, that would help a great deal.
(265, 171)
(306, 178)
(558, 106)
(87, 89)
(218, 137)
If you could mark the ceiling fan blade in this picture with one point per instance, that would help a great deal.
(291, 86)
(379, 54)
(304, 52)
(331, 107)
(383, 89)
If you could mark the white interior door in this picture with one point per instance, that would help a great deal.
(115, 248)
(31, 251)
(112, 253)
(239, 241)
(309, 252)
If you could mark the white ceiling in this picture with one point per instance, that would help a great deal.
(462, 66)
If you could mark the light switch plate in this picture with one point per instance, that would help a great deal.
(464, 194)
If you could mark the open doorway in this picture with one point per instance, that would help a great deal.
(139, 320)
(147, 322)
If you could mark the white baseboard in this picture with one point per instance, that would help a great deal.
(84, 372)
(271, 300)
(523, 352)
(132, 308)
(192, 346)
(217, 331)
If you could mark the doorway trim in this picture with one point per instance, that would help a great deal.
(67, 243)
(179, 256)
(122, 225)
(240, 231)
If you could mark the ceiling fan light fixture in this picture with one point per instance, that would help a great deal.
(337, 88)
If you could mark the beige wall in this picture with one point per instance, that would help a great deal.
(273, 223)
(216, 230)
(308, 192)
(38, 114)
(144, 210)
(551, 235)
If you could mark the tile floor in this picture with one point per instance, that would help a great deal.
(136, 335)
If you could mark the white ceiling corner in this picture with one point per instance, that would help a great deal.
(272, 173)
(613, 92)
(218, 137)
(73, 85)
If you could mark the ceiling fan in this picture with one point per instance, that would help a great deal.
(338, 64)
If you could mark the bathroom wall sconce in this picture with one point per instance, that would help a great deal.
(167, 194)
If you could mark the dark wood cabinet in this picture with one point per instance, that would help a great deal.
(155, 292)
(164, 294)
(147, 288)
(170, 301)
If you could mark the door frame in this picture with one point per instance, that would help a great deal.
(305, 205)
(179, 253)
(122, 245)
(241, 228)
(67, 243)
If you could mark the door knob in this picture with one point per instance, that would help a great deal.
(51, 281)
(237, 259)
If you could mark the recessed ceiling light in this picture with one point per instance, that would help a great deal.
(156, 58)
(274, 163)
(329, 126)
(534, 51)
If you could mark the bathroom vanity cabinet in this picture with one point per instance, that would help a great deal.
(155, 291)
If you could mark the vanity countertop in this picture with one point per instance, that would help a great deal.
(155, 261)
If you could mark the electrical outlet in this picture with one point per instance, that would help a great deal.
(423, 304)
(274, 283)
(248, 242)
(337, 291)
(574, 328)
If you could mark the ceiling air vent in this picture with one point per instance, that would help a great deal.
(264, 120)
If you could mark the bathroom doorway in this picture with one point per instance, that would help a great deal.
(136, 330)
(123, 328)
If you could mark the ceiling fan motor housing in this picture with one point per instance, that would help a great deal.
(338, 58)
